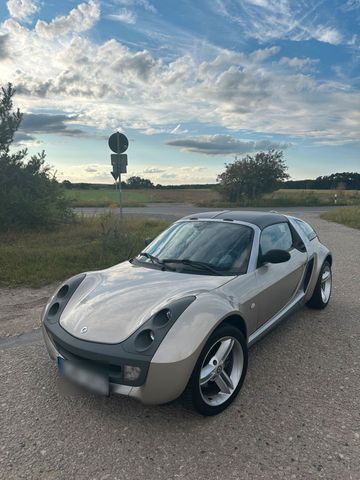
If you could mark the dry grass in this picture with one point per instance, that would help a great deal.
(295, 198)
(36, 258)
(138, 198)
(349, 216)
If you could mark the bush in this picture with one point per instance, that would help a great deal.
(30, 196)
(253, 176)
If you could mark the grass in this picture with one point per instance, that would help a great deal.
(208, 197)
(349, 216)
(139, 198)
(36, 258)
(294, 198)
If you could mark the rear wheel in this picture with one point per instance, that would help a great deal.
(322, 291)
(219, 372)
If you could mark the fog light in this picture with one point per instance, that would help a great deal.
(131, 373)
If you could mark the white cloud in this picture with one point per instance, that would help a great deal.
(299, 63)
(268, 20)
(124, 15)
(80, 19)
(137, 3)
(22, 10)
(327, 35)
(107, 85)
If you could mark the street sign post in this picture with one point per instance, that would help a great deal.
(118, 143)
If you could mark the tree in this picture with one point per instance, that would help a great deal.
(29, 194)
(253, 176)
(138, 182)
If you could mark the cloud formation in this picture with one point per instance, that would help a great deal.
(224, 145)
(124, 15)
(22, 10)
(34, 123)
(80, 19)
(273, 19)
(107, 85)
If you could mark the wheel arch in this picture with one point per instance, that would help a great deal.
(236, 321)
(329, 259)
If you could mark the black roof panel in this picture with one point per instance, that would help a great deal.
(261, 219)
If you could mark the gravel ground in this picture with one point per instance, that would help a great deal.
(297, 416)
(20, 308)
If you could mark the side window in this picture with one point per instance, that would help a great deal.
(275, 237)
(305, 227)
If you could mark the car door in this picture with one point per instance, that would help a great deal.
(278, 283)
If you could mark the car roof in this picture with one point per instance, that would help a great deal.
(261, 219)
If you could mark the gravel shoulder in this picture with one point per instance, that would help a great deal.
(20, 309)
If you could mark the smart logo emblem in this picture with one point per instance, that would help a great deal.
(84, 330)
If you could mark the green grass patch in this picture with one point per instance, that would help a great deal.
(295, 198)
(138, 198)
(36, 258)
(349, 216)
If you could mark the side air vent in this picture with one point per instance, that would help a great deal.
(308, 273)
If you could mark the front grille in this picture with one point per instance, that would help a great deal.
(113, 372)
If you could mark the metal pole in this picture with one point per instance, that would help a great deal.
(120, 197)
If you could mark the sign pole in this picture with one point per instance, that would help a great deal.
(118, 143)
(120, 197)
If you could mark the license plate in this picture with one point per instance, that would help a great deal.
(83, 377)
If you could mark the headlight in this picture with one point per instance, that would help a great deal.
(58, 301)
(148, 337)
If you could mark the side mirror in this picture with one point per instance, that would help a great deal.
(147, 241)
(275, 256)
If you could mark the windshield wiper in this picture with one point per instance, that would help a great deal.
(152, 258)
(195, 264)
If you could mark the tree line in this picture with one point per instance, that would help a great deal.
(340, 181)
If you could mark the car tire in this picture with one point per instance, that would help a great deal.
(228, 371)
(322, 292)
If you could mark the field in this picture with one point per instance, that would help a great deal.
(294, 198)
(139, 198)
(211, 198)
(349, 216)
(36, 258)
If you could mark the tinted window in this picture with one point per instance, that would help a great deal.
(225, 246)
(275, 237)
(305, 227)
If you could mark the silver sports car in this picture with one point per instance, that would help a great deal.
(180, 317)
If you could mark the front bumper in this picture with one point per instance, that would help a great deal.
(158, 383)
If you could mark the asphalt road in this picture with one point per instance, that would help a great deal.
(297, 416)
(173, 211)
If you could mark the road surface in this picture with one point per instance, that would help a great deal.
(297, 416)
(173, 211)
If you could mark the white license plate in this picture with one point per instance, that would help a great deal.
(83, 377)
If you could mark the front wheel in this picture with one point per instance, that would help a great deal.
(219, 372)
(322, 292)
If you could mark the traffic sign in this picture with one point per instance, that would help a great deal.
(119, 162)
(118, 142)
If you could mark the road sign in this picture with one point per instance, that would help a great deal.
(119, 162)
(118, 143)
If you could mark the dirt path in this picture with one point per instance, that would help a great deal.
(20, 308)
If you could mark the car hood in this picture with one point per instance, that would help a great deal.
(113, 303)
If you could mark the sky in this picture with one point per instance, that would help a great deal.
(193, 84)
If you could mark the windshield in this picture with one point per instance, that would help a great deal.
(202, 247)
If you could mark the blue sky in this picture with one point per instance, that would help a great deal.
(191, 83)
